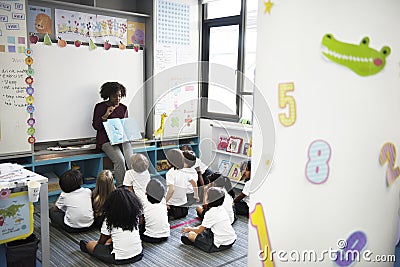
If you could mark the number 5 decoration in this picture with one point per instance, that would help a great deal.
(388, 154)
(287, 100)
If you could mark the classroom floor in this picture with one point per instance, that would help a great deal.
(64, 247)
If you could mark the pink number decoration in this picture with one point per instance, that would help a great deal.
(388, 154)
(317, 168)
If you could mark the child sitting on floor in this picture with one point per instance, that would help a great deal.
(202, 169)
(215, 232)
(242, 201)
(219, 181)
(137, 178)
(104, 187)
(189, 161)
(119, 241)
(73, 209)
(155, 227)
(177, 183)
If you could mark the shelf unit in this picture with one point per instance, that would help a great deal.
(224, 131)
(53, 164)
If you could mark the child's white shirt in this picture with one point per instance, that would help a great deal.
(77, 206)
(156, 219)
(246, 191)
(218, 221)
(191, 174)
(179, 181)
(138, 181)
(126, 244)
(203, 167)
(228, 205)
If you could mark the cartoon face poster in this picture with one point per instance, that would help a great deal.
(136, 32)
(39, 20)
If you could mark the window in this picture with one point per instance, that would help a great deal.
(229, 39)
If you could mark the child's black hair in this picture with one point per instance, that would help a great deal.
(155, 191)
(186, 148)
(70, 181)
(122, 209)
(222, 181)
(215, 197)
(110, 88)
(175, 158)
(189, 158)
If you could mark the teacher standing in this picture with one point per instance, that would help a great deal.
(111, 108)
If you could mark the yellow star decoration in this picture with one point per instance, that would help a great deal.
(268, 6)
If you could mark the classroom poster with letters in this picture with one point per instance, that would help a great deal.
(12, 26)
(72, 25)
(40, 20)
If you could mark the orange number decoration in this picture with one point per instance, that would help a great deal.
(258, 221)
(388, 154)
(287, 100)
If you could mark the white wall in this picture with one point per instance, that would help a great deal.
(354, 114)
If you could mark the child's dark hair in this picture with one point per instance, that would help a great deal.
(246, 166)
(186, 148)
(122, 209)
(110, 88)
(175, 158)
(70, 181)
(189, 158)
(155, 191)
(215, 197)
(222, 181)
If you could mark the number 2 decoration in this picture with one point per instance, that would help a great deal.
(258, 221)
(287, 100)
(388, 154)
(317, 168)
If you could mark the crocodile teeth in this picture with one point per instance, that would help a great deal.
(337, 55)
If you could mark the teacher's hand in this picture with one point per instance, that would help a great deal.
(108, 112)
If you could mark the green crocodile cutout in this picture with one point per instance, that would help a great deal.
(361, 59)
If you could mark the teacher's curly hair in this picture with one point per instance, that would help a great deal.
(110, 88)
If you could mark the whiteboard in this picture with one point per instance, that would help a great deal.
(13, 114)
(67, 86)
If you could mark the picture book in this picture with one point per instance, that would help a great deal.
(122, 130)
(224, 167)
(234, 172)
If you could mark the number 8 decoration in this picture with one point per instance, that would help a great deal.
(317, 168)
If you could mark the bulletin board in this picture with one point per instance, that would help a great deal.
(67, 86)
(176, 53)
(13, 113)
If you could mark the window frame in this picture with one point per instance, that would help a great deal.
(207, 24)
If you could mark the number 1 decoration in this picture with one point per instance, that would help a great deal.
(257, 219)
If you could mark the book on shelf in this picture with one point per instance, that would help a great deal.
(234, 172)
(122, 130)
(224, 167)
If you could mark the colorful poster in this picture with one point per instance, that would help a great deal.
(72, 26)
(12, 26)
(39, 20)
(111, 29)
(136, 33)
(16, 217)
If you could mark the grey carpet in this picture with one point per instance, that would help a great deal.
(64, 248)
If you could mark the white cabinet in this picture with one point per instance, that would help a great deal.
(232, 148)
